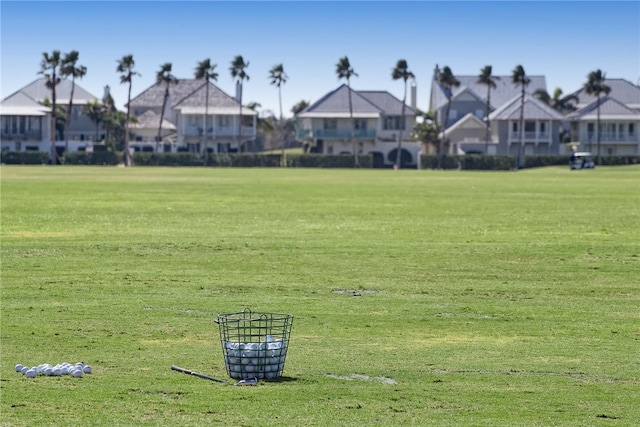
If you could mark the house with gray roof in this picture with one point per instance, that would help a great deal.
(470, 98)
(619, 120)
(188, 123)
(325, 125)
(540, 133)
(25, 123)
(619, 125)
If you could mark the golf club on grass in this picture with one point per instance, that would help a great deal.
(197, 374)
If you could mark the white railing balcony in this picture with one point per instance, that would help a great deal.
(359, 134)
(612, 137)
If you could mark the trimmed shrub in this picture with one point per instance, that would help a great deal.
(107, 158)
(24, 157)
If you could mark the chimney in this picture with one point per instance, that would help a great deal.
(436, 72)
(107, 93)
(414, 94)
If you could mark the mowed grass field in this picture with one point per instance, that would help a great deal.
(419, 297)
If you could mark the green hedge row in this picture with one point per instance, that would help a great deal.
(465, 162)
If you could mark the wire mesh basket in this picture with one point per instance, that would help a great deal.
(254, 344)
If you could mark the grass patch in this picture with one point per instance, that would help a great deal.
(420, 297)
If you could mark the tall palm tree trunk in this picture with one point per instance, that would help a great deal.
(598, 131)
(488, 122)
(206, 132)
(54, 119)
(352, 128)
(399, 153)
(444, 134)
(67, 125)
(128, 160)
(520, 157)
(164, 104)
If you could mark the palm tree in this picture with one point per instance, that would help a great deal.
(486, 78)
(345, 71)
(278, 78)
(238, 67)
(125, 68)
(95, 111)
(205, 70)
(595, 86)
(447, 81)
(50, 69)
(560, 103)
(70, 68)
(164, 76)
(519, 78)
(401, 71)
(299, 106)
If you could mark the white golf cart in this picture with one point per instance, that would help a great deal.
(581, 160)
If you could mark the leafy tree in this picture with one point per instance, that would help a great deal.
(278, 78)
(95, 111)
(299, 106)
(488, 79)
(519, 78)
(428, 131)
(401, 72)
(70, 68)
(206, 70)
(266, 126)
(345, 71)
(125, 68)
(560, 103)
(595, 86)
(238, 72)
(164, 76)
(50, 69)
(447, 81)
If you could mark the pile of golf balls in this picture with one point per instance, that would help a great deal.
(261, 360)
(77, 370)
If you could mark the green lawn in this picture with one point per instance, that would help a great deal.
(420, 297)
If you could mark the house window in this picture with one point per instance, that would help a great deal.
(360, 124)
(247, 121)
(514, 127)
(529, 126)
(192, 120)
(590, 127)
(224, 121)
(330, 124)
(543, 127)
(392, 123)
(631, 130)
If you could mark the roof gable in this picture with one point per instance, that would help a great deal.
(21, 104)
(504, 91)
(534, 109)
(610, 108)
(38, 91)
(369, 103)
(150, 120)
(621, 90)
(469, 121)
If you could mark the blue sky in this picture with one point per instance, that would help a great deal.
(563, 40)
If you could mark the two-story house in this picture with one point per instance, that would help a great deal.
(466, 128)
(325, 125)
(190, 123)
(25, 123)
(619, 120)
